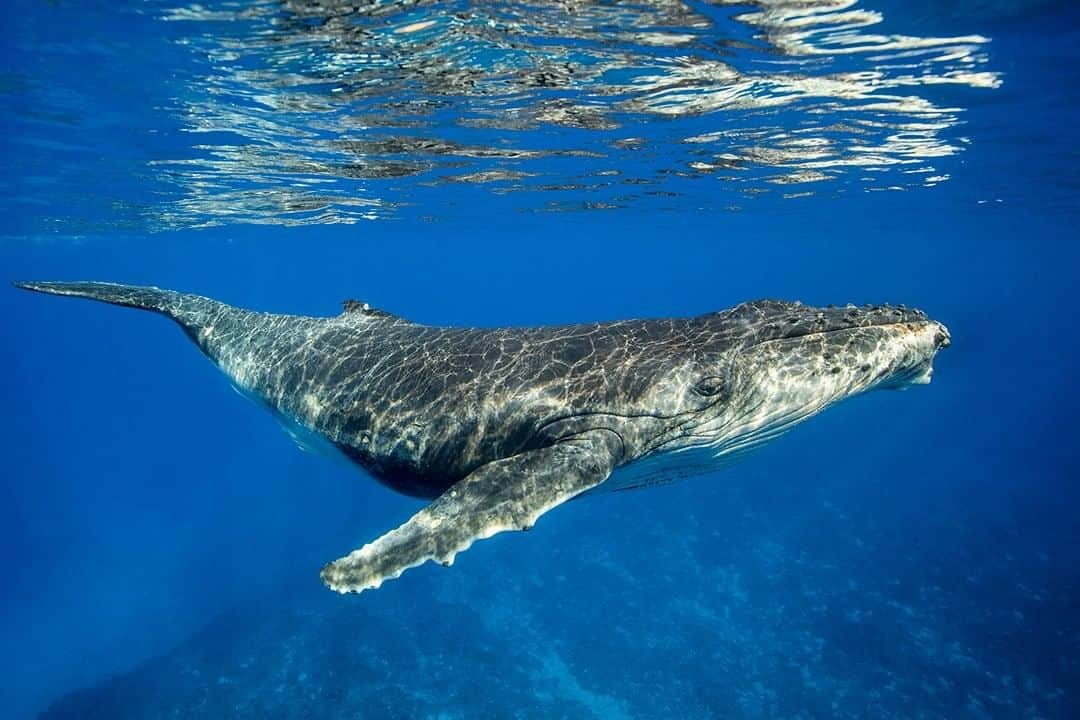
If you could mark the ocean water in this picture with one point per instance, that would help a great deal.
(904, 555)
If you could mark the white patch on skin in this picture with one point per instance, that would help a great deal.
(240, 371)
(313, 406)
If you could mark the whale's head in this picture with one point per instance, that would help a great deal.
(754, 371)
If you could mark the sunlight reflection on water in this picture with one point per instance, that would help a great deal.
(325, 111)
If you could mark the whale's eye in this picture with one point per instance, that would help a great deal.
(710, 386)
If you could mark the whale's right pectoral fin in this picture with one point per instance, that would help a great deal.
(507, 494)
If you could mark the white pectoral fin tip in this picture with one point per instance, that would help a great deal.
(354, 574)
(375, 563)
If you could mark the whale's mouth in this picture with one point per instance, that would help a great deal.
(942, 337)
(779, 320)
(895, 353)
(822, 330)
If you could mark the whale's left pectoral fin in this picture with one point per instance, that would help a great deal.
(507, 494)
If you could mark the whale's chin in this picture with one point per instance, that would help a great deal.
(918, 375)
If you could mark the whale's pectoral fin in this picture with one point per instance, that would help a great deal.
(507, 494)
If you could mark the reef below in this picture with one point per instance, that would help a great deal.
(761, 604)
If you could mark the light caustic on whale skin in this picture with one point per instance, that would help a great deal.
(498, 426)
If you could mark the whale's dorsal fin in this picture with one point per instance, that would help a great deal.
(507, 494)
(351, 306)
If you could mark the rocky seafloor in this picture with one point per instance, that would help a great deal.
(743, 600)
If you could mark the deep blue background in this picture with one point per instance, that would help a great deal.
(141, 497)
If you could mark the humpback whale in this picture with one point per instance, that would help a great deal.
(497, 426)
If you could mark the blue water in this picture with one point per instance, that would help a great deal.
(905, 555)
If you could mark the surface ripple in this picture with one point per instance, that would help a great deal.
(319, 111)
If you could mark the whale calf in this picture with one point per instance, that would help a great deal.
(496, 426)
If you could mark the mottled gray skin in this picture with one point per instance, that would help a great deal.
(500, 425)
